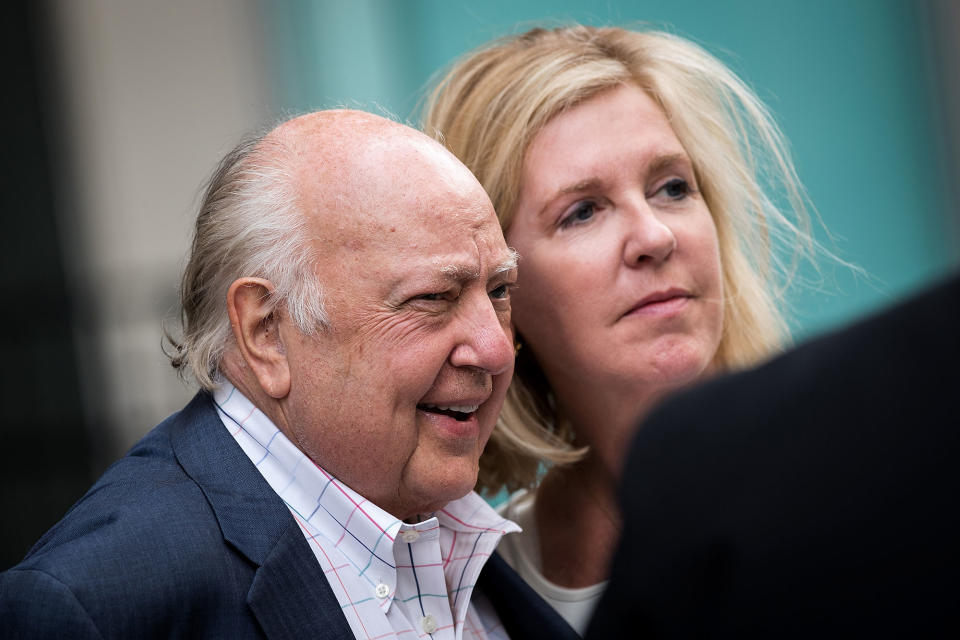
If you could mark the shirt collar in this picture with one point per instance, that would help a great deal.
(328, 509)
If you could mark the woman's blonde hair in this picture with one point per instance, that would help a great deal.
(493, 102)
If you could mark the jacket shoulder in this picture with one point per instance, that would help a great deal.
(144, 535)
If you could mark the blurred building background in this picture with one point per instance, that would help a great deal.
(118, 110)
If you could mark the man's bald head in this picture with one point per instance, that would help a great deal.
(264, 203)
(342, 161)
(344, 144)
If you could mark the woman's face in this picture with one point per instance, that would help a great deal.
(620, 283)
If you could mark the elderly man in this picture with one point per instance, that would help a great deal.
(346, 311)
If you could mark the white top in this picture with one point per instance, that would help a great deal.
(392, 579)
(522, 552)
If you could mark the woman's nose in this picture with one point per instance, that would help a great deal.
(649, 238)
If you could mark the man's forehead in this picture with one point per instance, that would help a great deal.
(406, 208)
(406, 225)
(397, 193)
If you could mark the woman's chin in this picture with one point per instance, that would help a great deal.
(680, 364)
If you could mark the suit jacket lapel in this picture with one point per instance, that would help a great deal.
(522, 611)
(289, 595)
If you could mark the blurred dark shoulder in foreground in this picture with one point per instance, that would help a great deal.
(816, 493)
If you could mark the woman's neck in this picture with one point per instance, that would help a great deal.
(576, 511)
(578, 522)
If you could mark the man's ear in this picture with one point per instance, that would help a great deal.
(255, 323)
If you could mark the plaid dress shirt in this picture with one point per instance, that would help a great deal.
(392, 579)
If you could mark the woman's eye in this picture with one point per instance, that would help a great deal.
(676, 189)
(580, 213)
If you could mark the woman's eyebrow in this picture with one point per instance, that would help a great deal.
(583, 185)
(657, 164)
(667, 161)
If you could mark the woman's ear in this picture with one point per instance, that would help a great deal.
(255, 322)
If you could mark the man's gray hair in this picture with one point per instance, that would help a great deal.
(250, 224)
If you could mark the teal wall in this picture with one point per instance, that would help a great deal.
(849, 81)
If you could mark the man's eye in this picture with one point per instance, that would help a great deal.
(447, 295)
(501, 293)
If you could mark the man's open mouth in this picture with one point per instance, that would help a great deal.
(459, 413)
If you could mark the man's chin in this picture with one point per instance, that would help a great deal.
(436, 495)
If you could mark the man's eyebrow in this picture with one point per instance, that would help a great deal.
(463, 272)
(509, 263)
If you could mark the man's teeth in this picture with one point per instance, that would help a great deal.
(458, 408)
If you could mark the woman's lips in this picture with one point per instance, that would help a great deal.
(661, 303)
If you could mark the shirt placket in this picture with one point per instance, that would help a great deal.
(421, 582)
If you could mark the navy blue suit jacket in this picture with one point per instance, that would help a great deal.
(184, 538)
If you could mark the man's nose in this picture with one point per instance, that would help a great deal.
(484, 342)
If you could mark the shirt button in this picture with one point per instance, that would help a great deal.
(429, 624)
(382, 590)
(410, 536)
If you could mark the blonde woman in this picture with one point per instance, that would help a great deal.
(636, 176)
